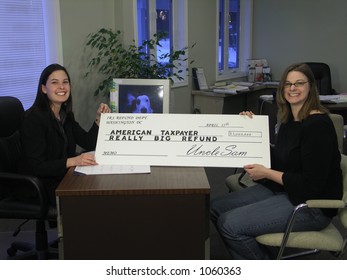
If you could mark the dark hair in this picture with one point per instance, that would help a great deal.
(311, 103)
(42, 102)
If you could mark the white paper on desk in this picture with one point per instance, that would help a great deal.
(230, 89)
(338, 98)
(112, 169)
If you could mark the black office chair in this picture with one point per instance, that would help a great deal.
(14, 203)
(321, 72)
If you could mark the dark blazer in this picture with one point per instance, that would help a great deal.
(307, 152)
(47, 143)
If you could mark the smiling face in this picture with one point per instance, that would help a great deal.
(57, 87)
(296, 89)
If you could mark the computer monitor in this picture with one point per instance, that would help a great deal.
(143, 95)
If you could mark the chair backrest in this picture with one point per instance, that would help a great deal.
(339, 128)
(11, 117)
(321, 72)
(343, 212)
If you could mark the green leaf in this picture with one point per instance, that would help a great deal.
(109, 57)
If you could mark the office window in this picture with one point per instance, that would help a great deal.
(29, 41)
(169, 16)
(234, 37)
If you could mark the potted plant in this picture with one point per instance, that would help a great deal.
(114, 60)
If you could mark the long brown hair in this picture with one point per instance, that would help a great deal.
(311, 103)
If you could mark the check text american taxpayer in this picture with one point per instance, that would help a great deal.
(165, 135)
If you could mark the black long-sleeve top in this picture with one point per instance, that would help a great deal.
(307, 152)
(47, 143)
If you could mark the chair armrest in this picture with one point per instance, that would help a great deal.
(34, 183)
(312, 203)
(325, 203)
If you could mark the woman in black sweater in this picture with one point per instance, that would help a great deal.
(49, 132)
(305, 165)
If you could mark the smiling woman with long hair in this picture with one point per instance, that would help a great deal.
(305, 165)
(50, 133)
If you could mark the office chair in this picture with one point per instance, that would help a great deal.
(329, 239)
(241, 180)
(13, 184)
(321, 72)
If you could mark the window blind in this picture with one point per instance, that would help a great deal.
(22, 48)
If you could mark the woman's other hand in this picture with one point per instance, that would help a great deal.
(249, 114)
(103, 108)
(81, 160)
(258, 172)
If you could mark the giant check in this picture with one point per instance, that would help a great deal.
(183, 140)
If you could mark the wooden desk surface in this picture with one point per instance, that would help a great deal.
(161, 180)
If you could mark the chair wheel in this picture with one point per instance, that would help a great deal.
(11, 251)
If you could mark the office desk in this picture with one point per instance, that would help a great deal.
(209, 102)
(161, 215)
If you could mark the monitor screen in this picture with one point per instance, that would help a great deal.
(146, 96)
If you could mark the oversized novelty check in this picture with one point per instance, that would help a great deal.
(183, 140)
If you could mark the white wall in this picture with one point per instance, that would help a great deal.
(78, 19)
(202, 19)
(285, 32)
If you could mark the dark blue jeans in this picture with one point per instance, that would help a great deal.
(243, 215)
